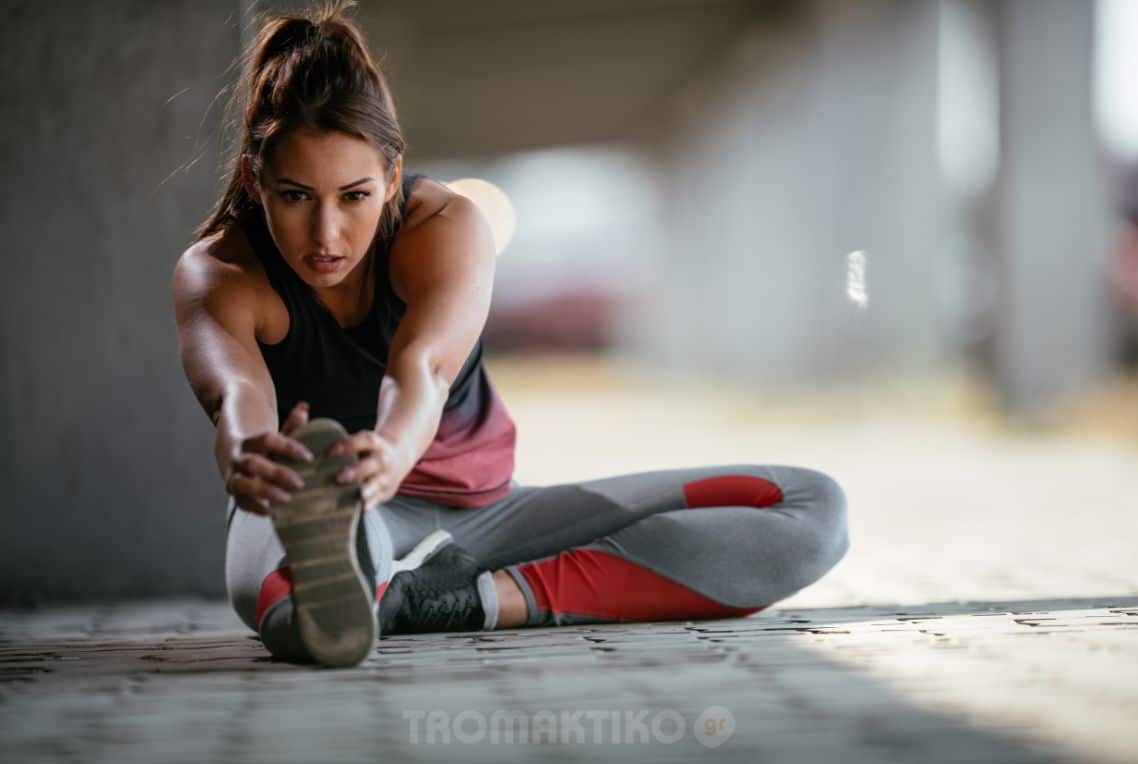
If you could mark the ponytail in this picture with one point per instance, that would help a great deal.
(309, 71)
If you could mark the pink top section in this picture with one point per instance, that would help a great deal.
(470, 463)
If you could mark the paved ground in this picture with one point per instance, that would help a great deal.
(987, 611)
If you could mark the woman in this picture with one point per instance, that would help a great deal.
(329, 283)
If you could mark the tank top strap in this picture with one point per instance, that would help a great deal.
(339, 371)
(278, 271)
(305, 314)
(393, 306)
(257, 232)
(409, 180)
(284, 281)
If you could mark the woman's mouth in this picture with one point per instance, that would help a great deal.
(322, 264)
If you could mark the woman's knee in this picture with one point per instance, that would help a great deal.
(820, 505)
(796, 552)
(828, 513)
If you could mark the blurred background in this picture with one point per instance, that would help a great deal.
(891, 239)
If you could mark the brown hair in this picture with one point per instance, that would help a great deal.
(309, 71)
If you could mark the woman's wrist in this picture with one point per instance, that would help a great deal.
(403, 449)
(226, 448)
(243, 412)
(410, 409)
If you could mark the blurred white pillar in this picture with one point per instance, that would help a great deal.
(1051, 208)
(814, 137)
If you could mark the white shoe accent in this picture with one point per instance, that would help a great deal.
(422, 551)
(489, 596)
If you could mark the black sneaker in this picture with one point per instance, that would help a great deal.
(433, 590)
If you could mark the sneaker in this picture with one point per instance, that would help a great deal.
(332, 601)
(433, 589)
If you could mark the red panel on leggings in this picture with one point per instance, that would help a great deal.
(595, 584)
(278, 585)
(732, 491)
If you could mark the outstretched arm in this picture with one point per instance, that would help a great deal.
(213, 307)
(443, 268)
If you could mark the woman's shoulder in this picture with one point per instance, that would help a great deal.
(429, 200)
(221, 269)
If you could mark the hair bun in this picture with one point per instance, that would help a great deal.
(292, 32)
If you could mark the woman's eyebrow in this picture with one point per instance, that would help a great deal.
(309, 188)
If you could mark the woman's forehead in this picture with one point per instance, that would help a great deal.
(329, 155)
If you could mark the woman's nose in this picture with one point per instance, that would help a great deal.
(325, 226)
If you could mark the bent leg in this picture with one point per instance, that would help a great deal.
(681, 543)
(259, 582)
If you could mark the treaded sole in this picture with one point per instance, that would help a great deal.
(317, 528)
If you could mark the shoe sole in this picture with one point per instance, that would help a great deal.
(317, 528)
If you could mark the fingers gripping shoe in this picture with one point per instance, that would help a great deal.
(433, 589)
(333, 603)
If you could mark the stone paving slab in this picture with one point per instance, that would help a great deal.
(183, 681)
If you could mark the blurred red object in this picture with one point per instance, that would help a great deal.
(1122, 268)
(1122, 271)
(568, 320)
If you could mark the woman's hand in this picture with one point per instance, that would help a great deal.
(380, 469)
(254, 480)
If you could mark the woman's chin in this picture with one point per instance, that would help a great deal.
(317, 281)
(321, 277)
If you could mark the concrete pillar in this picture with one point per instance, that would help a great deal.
(110, 153)
(1051, 213)
(815, 137)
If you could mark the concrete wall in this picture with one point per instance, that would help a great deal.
(105, 459)
(818, 134)
(1052, 215)
(813, 139)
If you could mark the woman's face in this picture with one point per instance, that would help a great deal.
(323, 195)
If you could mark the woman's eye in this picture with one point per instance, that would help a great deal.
(300, 196)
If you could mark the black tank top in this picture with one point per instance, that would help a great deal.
(338, 369)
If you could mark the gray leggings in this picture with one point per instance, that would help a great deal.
(700, 542)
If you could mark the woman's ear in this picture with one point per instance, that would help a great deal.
(396, 180)
(248, 180)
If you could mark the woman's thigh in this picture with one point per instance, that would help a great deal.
(533, 522)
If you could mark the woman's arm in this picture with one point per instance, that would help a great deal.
(443, 268)
(216, 319)
(444, 271)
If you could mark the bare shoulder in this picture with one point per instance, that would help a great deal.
(443, 232)
(220, 273)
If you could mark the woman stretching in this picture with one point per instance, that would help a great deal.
(330, 284)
